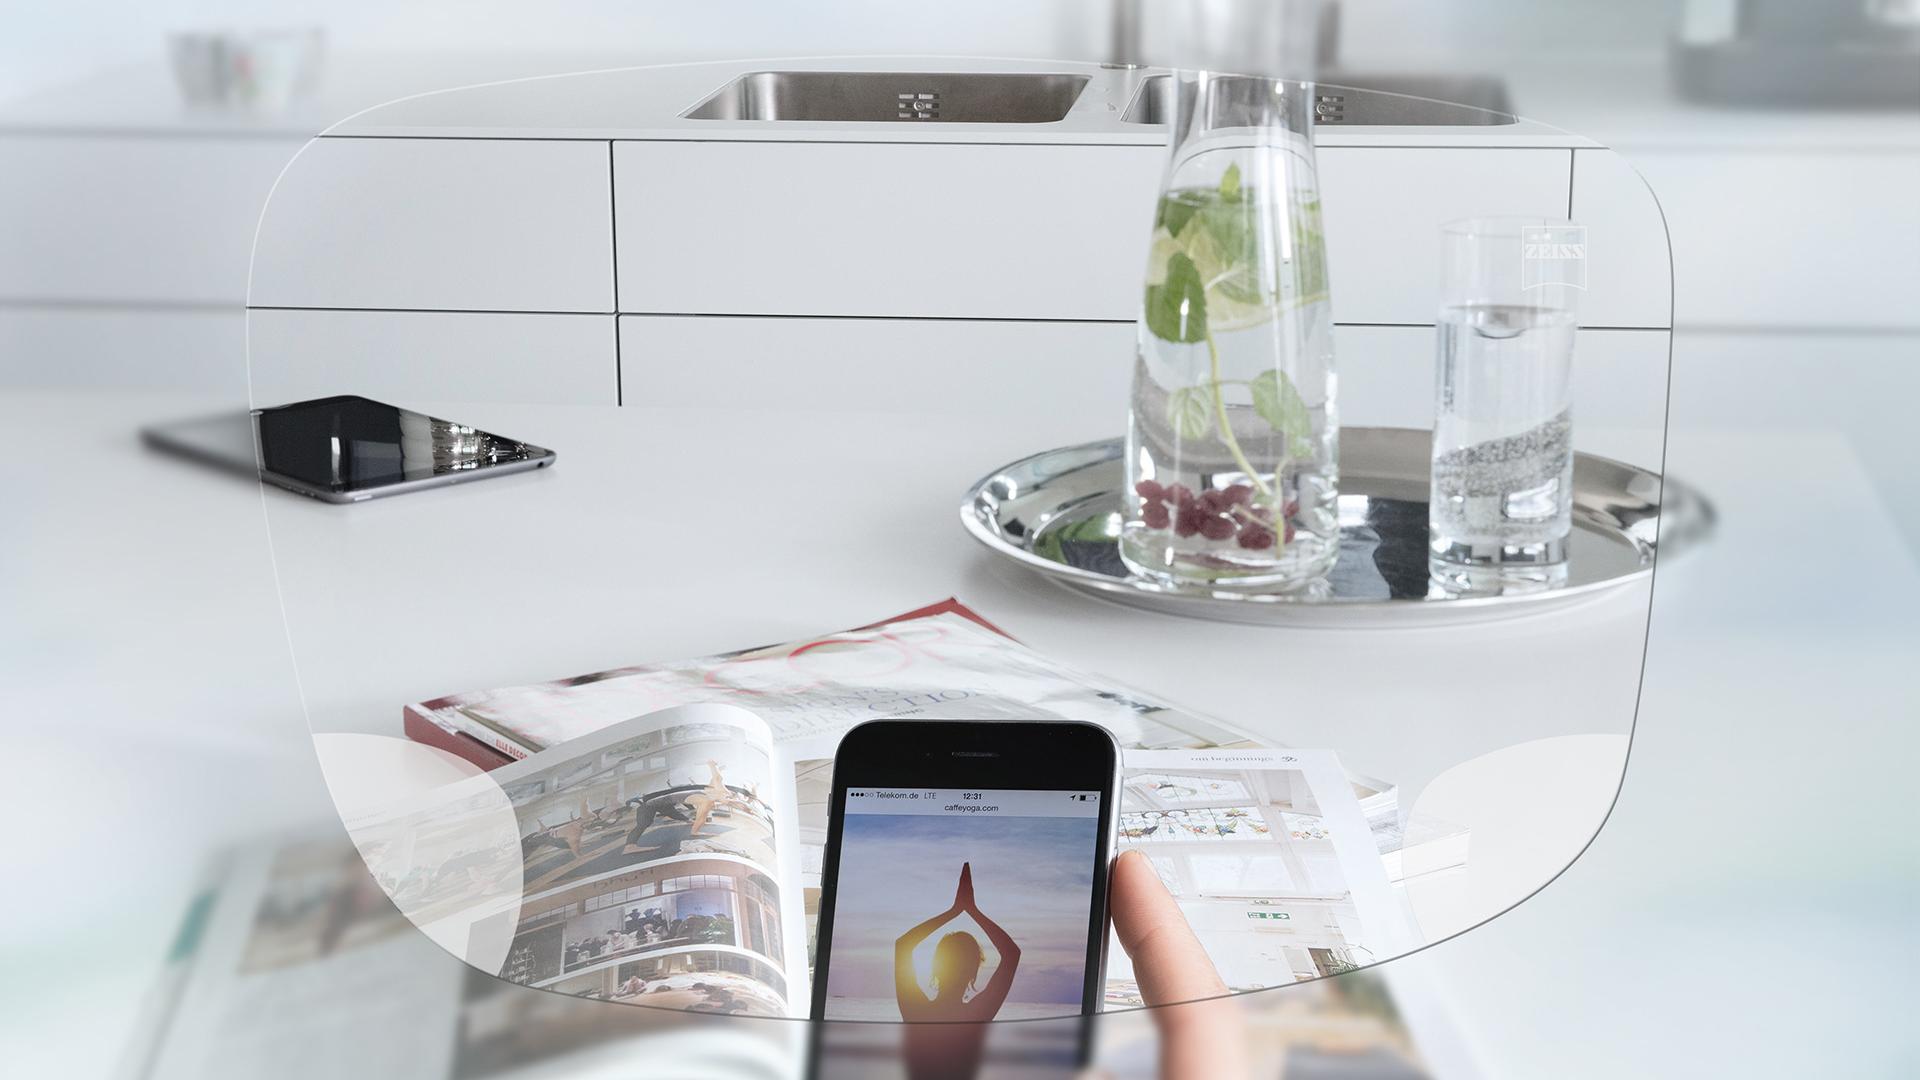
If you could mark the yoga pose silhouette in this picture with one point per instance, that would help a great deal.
(951, 1049)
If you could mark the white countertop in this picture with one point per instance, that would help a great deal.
(146, 644)
(797, 523)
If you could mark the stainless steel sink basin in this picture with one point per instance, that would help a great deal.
(898, 97)
(1480, 101)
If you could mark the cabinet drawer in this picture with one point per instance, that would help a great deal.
(981, 368)
(1384, 208)
(157, 221)
(430, 357)
(440, 224)
(1010, 232)
(1031, 232)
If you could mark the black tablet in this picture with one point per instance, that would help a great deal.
(347, 448)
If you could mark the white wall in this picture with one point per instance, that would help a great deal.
(46, 44)
(54, 43)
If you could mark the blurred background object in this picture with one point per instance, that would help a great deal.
(260, 69)
(1847, 53)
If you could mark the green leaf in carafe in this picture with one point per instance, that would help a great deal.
(1188, 412)
(1279, 403)
(1176, 309)
(1230, 183)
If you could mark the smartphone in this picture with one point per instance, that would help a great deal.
(964, 881)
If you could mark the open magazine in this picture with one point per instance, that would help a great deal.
(942, 662)
(672, 860)
(290, 963)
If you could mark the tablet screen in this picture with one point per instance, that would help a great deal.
(347, 444)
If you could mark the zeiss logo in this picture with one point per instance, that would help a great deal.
(1553, 255)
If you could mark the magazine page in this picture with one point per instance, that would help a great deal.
(641, 864)
(1269, 855)
(511, 1032)
(287, 945)
(289, 942)
(946, 664)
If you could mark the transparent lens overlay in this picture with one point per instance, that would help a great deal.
(670, 859)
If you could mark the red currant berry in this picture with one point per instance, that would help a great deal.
(1255, 537)
(1156, 515)
(1189, 519)
(1149, 490)
(1216, 527)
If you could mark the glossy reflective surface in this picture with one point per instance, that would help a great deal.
(1462, 101)
(1058, 513)
(918, 97)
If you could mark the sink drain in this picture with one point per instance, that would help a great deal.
(919, 106)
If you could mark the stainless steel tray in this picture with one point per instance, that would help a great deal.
(1057, 513)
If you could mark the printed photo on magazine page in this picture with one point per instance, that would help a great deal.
(646, 866)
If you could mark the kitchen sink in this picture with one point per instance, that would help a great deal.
(1443, 101)
(897, 97)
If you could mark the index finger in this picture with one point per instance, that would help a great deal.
(1169, 962)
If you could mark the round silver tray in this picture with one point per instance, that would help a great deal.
(1058, 513)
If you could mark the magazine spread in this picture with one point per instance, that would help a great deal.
(288, 943)
(943, 662)
(673, 860)
(665, 850)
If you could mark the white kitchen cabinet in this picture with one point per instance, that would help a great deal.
(197, 352)
(98, 219)
(457, 224)
(1619, 385)
(427, 356)
(1384, 207)
(1629, 273)
(1790, 238)
(928, 230)
(858, 365)
(1032, 232)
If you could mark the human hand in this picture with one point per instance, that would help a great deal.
(1201, 1030)
(963, 894)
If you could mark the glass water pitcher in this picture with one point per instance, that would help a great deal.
(1232, 434)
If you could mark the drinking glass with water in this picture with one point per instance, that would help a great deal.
(1502, 500)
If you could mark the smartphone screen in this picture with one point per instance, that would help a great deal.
(965, 882)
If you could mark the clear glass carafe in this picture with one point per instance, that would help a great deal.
(1232, 434)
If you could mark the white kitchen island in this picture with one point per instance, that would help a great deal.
(575, 239)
